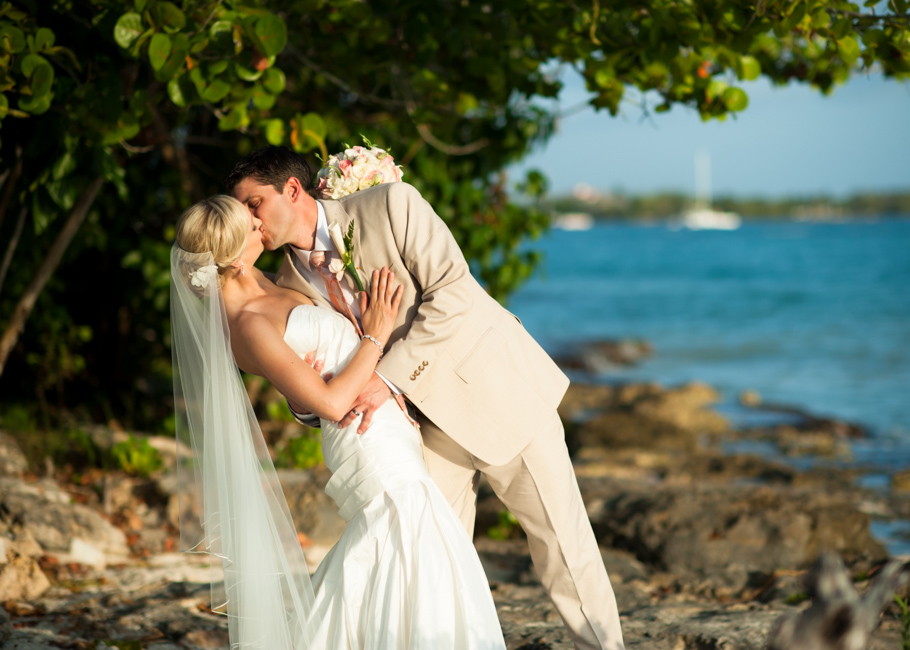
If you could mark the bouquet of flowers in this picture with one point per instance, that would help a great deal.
(356, 168)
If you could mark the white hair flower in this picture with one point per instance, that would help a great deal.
(203, 276)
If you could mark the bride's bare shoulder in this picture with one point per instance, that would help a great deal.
(253, 322)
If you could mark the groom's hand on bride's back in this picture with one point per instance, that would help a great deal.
(318, 365)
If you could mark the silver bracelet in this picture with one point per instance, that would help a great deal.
(381, 349)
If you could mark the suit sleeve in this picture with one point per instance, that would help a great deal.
(432, 256)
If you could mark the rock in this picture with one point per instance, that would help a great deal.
(597, 357)
(22, 579)
(625, 430)
(206, 639)
(900, 481)
(18, 541)
(313, 511)
(684, 407)
(21, 641)
(750, 398)
(83, 552)
(6, 627)
(46, 512)
(582, 398)
(724, 533)
(12, 460)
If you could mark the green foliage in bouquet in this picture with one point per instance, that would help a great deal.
(117, 114)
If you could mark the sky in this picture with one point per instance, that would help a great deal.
(790, 141)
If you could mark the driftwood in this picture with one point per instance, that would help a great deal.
(839, 618)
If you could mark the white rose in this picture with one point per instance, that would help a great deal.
(361, 168)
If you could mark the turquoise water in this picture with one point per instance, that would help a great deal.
(811, 315)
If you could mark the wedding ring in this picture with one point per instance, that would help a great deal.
(355, 413)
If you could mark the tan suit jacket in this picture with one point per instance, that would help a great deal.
(464, 361)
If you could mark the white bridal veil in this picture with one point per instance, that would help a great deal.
(231, 503)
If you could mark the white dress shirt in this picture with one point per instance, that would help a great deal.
(323, 242)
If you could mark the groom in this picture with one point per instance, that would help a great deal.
(486, 393)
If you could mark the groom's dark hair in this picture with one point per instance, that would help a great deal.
(272, 166)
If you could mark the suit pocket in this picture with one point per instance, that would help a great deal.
(480, 355)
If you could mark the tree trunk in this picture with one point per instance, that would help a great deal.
(11, 248)
(48, 266)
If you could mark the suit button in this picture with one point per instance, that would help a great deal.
(424, 364)
(416, 372)
(413, 377)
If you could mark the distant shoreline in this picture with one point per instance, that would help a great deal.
(607, 206)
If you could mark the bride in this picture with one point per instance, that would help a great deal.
(404, 573)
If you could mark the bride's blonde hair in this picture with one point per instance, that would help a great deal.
(218, 224)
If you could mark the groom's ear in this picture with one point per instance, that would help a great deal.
(293, 189)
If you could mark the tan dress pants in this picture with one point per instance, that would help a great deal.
(540, 489)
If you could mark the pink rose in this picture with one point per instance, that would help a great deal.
(345, 166)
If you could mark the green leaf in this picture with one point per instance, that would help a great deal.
(41, 80)
(272, 34)
(217, 67)
(176, 59)
(159, 50)
(246, 72)
(221, 37)
(131, 259)
(735, 99)
(466, 103)
(821, 19)
(128, 29)
(263, 100)
(715, 89)
(35, 105)
(31, 62)
(236, 119)
(178, 90)
(172, 18)
(274, 81)
(215, 91)
(44, 39)
(848, 50)
(751, 68)
(64, 166)
(141, 5)
(43, 212)
(11, 39)
(274, 131)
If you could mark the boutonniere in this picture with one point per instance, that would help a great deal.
(345, 245)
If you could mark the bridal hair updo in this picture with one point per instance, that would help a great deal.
(219, 225)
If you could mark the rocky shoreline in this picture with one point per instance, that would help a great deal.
(706, 549)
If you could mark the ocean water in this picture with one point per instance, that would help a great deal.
(813, 315)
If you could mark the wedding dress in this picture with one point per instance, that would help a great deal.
(404, 573)
(403, 576)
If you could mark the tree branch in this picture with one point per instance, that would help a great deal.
(328, 76)
(27, 302)
(11, 248)
(450, 149)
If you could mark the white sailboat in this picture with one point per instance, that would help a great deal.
(702, 216)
